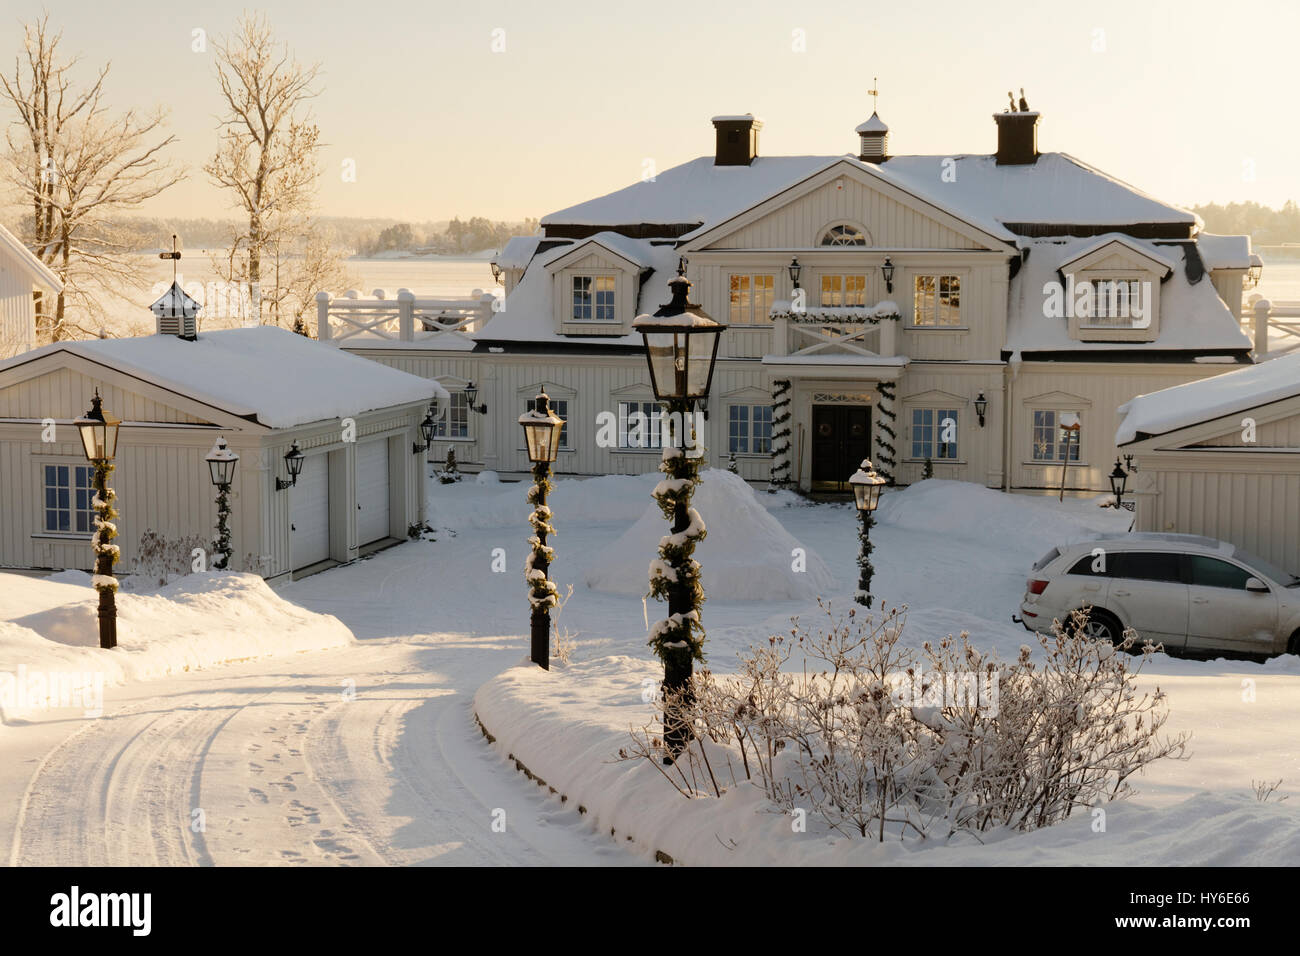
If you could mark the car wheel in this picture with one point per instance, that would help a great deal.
(1101, 626)
(1293, 645)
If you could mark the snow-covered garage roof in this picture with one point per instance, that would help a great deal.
(1169, 409)
(1193, 317)
(265, 374)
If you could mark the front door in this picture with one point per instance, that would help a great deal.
(841, 438)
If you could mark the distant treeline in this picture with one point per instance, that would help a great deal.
(365, 237)
(1265, 226)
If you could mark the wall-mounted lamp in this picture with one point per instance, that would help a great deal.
(981, 406)
(887, 270)
(794, 269)
(427, 428)
(293, 459)
(471, 397)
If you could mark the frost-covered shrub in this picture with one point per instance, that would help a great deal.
(160, 560)
(878, 739)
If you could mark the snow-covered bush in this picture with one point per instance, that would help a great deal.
(449, 473)
(161, 560)
(878, 739)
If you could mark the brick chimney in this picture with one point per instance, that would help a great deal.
(1017, 138)
(737, 139)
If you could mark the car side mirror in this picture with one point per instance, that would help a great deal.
(1256, 585)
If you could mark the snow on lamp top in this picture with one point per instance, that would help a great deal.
(866, 484)
(221, 462)
(681, 342)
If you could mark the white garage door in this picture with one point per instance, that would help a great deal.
(372, 491)
(309, 514)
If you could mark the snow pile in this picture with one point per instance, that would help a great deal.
(747, 555)
(961, 509)
(199, 621)
(567, 725)
(494, 504)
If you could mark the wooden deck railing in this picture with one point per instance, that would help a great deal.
(404, 319)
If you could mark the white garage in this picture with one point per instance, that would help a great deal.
(309, 515)
(372, 491)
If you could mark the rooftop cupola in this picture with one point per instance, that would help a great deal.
(737, 139)
(874, 136)
(176, 313)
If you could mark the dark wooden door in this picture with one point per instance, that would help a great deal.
(841, 438)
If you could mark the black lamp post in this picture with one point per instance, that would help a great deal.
(981, 406)
(221, 467)
(542, 429)
(293, 459)
(795, 270)
(681, 344)
(1118, 481)
(98, 431)
(887, 270)
(471, 397)
(866, 485)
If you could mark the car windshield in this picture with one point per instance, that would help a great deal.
(1284, 578)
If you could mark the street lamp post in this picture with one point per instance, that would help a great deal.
(866, 485)
(542, 429)
(1118, 481)
(99, 441)
(221, 468)
(681, 343)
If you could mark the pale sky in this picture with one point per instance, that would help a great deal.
(1191, 101)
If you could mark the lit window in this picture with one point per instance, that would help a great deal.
(68, 495)
(751, 299)
(936, 300)
(593, 299)
(934, 434)
(844, 291)
(1047, 442)
(844, 235)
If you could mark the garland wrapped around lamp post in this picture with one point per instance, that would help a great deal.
(866, 486)
(542, 431)
(99, 442)
(681, 343)
(221, 467)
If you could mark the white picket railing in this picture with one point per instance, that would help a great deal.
(1280, 317)
(403, 319)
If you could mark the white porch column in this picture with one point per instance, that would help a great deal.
(888, 337)
(406, 315)
(323, 316)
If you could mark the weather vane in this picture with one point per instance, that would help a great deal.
(875, 85)
(174, 256)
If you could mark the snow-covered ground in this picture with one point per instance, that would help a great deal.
(368, 752)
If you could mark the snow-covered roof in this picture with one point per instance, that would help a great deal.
(518, 252)
(1224, 252)
(41, 275)
(635, 251)
(873, 125)
(1055, 189)
(174, 302)
(1192, 317)
(265, 374)
(527, 316)
(1207, 399)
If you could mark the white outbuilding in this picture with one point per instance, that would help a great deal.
(22, 275)
(266, 391)
(1221, 457)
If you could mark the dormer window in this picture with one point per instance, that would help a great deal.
(844, 235)
(593, 299)
(1118, 304)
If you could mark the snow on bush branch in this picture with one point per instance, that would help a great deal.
(676, 569)
(880, 740)
(544, 593)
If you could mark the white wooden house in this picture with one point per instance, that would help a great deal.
(902, 308)
(22, 275)
(1221, 457)
(263, 389)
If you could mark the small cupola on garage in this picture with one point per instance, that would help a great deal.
(176, 313)
(874, 137)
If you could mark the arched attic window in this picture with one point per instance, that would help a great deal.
(844, 235)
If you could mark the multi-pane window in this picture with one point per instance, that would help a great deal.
(455, 424)
(749, 429)
(593, 299)
(751, 299)
(68, 495)
(936, 300)
(844, 291)
(1048, 443)
(844, 235)
(560, 406)
(934, 434)
(1116, 302)
(639, 425)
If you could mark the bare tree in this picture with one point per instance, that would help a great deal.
(76, 163)
(267, 158)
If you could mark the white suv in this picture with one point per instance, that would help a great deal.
(1184, 591)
